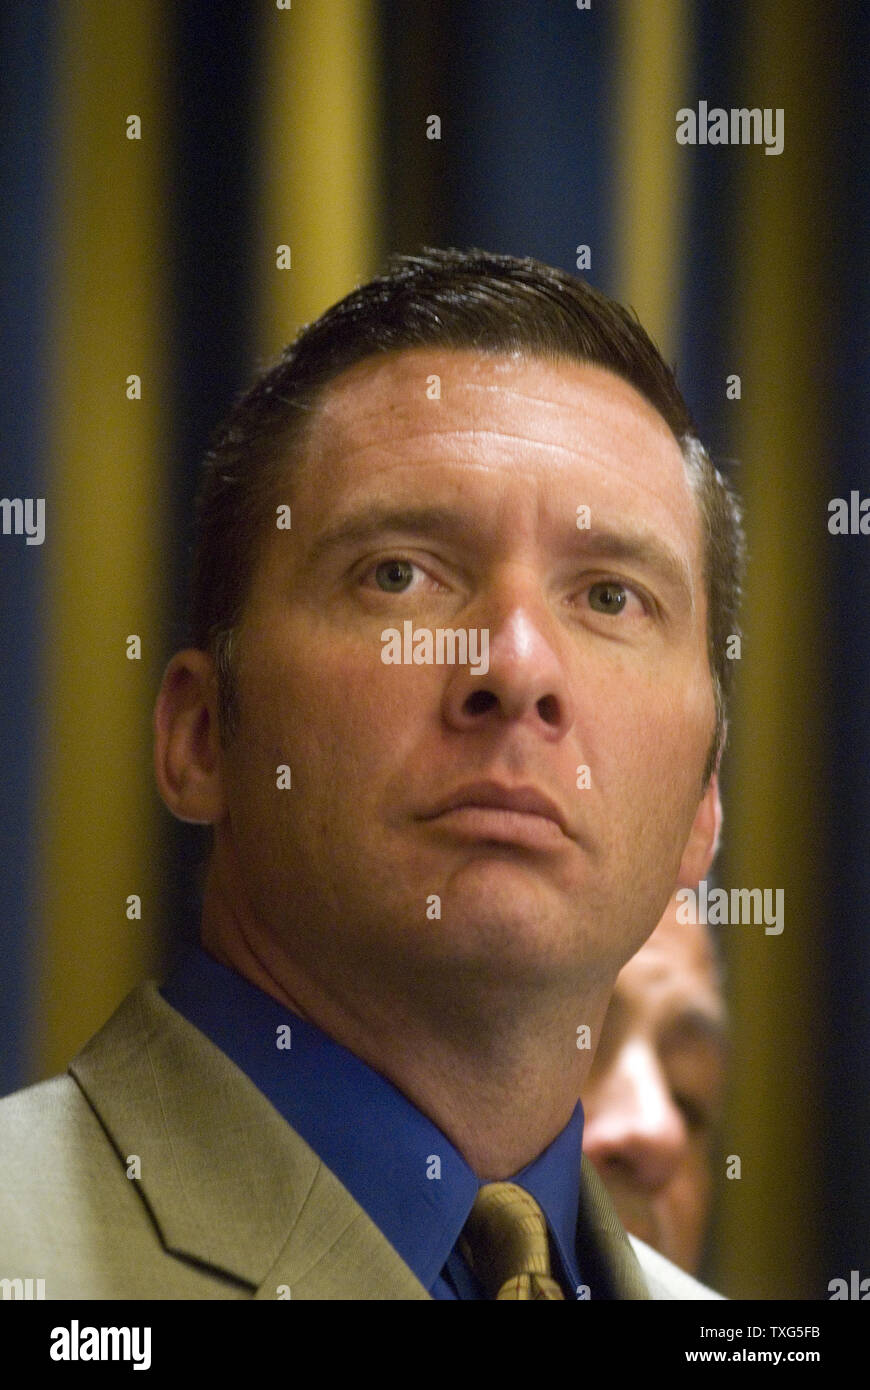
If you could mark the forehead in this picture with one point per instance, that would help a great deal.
(557, 424)
(676, 965)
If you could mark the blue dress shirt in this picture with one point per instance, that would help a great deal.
(416, 1187)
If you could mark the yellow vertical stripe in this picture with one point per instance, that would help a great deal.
(652, 65)
(775, 826)
(103, 534)
(318, 164)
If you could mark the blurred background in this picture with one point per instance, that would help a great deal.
(155, 257)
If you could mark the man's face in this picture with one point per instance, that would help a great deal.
(462, 512)
(654, 1093)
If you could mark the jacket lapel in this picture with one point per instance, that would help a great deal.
(226, 1180)
(609, 1263)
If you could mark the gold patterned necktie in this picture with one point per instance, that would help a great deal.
(504, 1242)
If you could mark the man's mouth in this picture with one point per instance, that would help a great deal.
(490, 811)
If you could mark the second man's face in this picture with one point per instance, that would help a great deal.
(652, 1101)
(546, 506)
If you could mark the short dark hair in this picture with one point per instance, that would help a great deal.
(462, 300)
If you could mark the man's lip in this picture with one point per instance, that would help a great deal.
(493, 795)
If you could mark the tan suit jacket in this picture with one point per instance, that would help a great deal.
(229, 1201)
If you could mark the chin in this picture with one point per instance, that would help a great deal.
(505, 879)
(509, 944)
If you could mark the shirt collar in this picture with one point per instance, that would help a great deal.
(404, 1172)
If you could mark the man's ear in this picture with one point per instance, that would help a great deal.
(187, 755)
(703, 840)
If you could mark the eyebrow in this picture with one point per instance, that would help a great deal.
(373, 520)
(641, 547)
(698, 1024)
(644, 549)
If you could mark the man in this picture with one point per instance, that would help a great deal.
(427, 870)
(653, 1097)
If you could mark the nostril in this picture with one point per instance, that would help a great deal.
(548, 709)
(480, 701)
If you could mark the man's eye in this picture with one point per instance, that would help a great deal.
(394, 576)
(696, 1115)
(608, 597)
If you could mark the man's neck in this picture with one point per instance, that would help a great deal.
(499, 1073)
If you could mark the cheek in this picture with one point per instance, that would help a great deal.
(691, 1194)
(651, 736)
(336, 710)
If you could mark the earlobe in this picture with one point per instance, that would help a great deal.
(187, 757)
(703, 841)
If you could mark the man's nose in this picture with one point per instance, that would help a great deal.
(526, 679)
(633, 1126)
